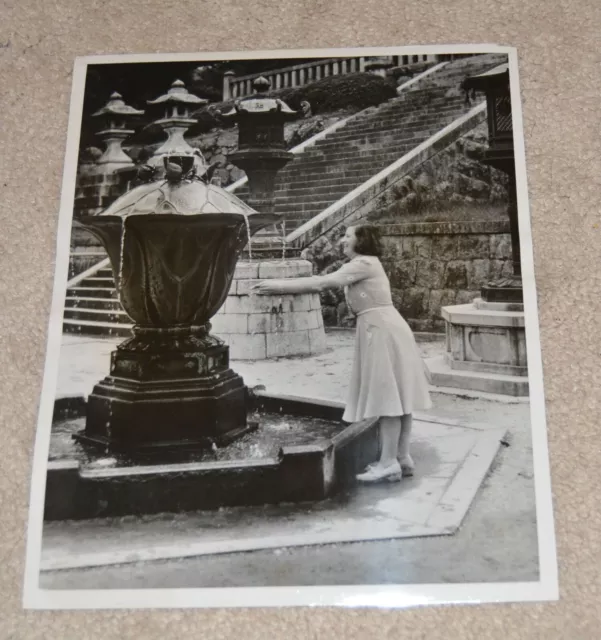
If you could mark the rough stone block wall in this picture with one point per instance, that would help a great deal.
(431, 265)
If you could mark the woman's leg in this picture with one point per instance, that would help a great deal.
(390, 433)
(404, 444)
(387, 467)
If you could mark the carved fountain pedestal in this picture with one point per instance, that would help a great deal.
(168, 389)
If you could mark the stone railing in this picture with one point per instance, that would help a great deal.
(361, 201)
(302, 74)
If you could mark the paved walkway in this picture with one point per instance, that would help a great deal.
(86, 360)
(454, 448)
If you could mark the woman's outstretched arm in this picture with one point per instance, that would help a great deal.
(350, 273)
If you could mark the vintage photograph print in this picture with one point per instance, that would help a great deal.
(293, 354)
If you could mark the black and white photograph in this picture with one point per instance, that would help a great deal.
(293, 353)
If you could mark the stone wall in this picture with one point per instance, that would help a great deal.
(430, 265)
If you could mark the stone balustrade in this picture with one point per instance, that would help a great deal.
(302, 74)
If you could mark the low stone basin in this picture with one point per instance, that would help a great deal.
(300, 451)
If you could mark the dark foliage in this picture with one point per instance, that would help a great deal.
(140, 82)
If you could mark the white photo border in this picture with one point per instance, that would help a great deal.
(378, 596)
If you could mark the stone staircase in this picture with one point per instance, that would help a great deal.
(318, 177)
(368, 143)
(92, 307)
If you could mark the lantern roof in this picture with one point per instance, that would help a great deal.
(261, 102)
(499, 76)
(178, 94)
(116, 106)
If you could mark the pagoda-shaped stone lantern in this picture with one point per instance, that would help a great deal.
(260, 327)
(177, 103)
(486, 340)
(261, 143)
(101, 182)
(115, 117)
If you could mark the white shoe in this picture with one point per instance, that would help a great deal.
(407, 466)
(390, 472)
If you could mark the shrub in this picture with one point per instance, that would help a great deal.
(353, 90)
(350, 92)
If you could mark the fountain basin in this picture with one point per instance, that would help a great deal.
(300, 451)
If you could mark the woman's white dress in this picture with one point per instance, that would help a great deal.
(388, 376)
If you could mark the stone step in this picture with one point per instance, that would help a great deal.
(102, 283)
(392, 118)
(368, 155)
(93, 303)
(380, 130)
(441, 375)
(333, 180)
(97, 315)
(92, 292)
(295, 205)
(362, 142)
(89, 327)
(365, 148)
(430, 99)
(401, 113)
(303, 192)
(320, 173)
(376, 159)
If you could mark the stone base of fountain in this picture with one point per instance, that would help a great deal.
(171, 390)
(301, 452)
(259, 327)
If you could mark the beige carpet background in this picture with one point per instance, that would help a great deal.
(560, 64)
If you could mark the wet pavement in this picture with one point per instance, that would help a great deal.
(422, 530)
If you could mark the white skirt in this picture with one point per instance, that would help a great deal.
(388, 377)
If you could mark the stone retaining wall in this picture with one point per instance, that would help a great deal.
(430, 265)
(436, 264)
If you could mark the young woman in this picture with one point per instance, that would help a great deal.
(388, 378)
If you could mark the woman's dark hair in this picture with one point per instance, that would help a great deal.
(368, 240)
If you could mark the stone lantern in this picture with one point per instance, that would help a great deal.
(486, 340)
(500, 154)
(259, 327)
(115, 117)
(100, 182)
(177, 103)
(261, 143)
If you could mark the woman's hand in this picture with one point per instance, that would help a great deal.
(265, 287)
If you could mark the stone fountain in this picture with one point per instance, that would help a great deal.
(172, 427)
(173, 245)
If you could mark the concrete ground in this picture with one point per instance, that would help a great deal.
(497, 541)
